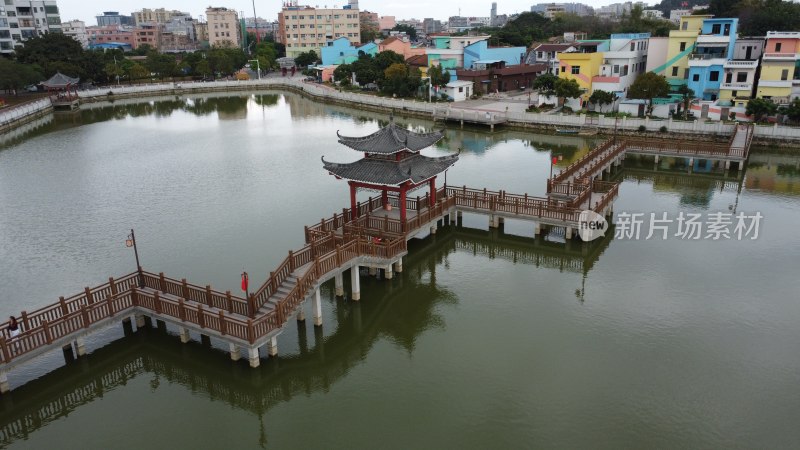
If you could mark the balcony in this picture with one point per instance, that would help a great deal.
(783, 34)
(741, 64)
(707, 59)
(775, 83)
(713, 39)
(780, 56)
(737, 86)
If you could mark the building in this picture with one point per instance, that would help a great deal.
(109, 18)
(682, 43)
(261, 27)
(780, 67)
(223, 28)
(401, 46)
(159, 15)
(20, 20)
(201, 31)
(147, 34)
(676, 14)
(583, 65)
(741, 71)
(369, 19)
(448, 51)
(342, 51)
(458, 90)
(480, 51)
(77, 30)
(177, 43)
(714, 48)
(625, 59)
(181, 24)
(547, 54)
(657, 49)
(495, 76)
(387, 22)
(303, 28)
(653, 14)
(456, 24)
(111, 36)
(431, 26)
(549, 10)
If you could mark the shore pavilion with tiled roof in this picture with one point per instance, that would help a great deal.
(391, 163)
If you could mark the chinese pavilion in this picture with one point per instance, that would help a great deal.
(391, 163)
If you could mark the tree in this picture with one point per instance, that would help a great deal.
(600, 97)
(565, 89)
(648, 86)
(545, 84)
(439, 76)
(397, 71)
(793, 110)
(162, 65)
(407, 29)
(305, 59)
(760, 108)
(687, 94)
(342, 74)
(15, 76)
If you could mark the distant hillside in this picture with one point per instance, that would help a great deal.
(668, 5)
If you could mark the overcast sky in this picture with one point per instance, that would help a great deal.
(402, 9)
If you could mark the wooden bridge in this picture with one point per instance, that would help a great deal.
(369, 236)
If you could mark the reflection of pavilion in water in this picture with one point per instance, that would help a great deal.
(400, 311)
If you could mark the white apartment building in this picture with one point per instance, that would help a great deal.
(625, 60)
(223, 27)
(159, 15)
(303, 28)
(77, 30)
(24, 19)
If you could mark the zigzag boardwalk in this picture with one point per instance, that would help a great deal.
(372, 234)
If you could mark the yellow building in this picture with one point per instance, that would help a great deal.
(780, 67)
(303, 28)
(223, 28)
(581, 67)
(681, 44)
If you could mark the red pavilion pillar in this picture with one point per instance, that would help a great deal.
(385, 199)
(403, 203)
(353, 204)
(433, 191)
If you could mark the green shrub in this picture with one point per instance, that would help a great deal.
(663, 129)
(642, 128)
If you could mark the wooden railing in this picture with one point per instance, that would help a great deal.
(687, 148)
(580, 164)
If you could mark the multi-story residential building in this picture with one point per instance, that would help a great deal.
(741, 71)
(583, 65)
(653, 14)
(430, 26)
(657, 48)
(547, 54)
(181, 24)
(370, 19)
(109, 18)
(261, 27)
(402, 46)
(77, 30)
(780, 67)
(23, 19)
(714, 47)
(201, 31)
(223, 28)
(387, 22)
(554, 8)
(457, 24)
(448, 51)
(111, 36)
(415, 24)
(625, 59)
(304, 28)
(682, 43)
(147, 34)
(342, 51)
(676, 14)
(159, 15)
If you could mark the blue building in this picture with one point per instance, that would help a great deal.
(480, 51)
(341, 51)
(715, 46)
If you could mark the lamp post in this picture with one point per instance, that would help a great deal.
(246, 284)
(258, 67)
(131, 242)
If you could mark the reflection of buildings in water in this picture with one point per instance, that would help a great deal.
(400, 311)
(33, 128)
(773, 173)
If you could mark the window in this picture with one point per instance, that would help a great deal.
(741, 77)
(685, 74)
(778, 47)
(696, 77)
(616, 68)
(784, 74)
(576, 70)
(625, 70)
(685, 26)
(734, 93)
(633, 46)
(563, 69)
(683, 46)
(716, 28)
(713, 75)
(461, 89)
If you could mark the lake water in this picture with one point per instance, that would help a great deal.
(488, 339)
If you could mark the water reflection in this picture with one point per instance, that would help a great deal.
(400, 311)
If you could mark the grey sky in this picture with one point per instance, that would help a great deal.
(402, 9)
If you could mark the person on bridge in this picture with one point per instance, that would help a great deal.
(13, 327)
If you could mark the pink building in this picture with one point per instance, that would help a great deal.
(110, 34)
(387, 22)
(401, 47)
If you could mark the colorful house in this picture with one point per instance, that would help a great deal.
(448, 51)
(583, 65)
(480, 51)
(713, 49)
(681, 44)
(401, 47)
(342, 51)
(625, 59)
(740, 73)
(548, 54)
(780, 67)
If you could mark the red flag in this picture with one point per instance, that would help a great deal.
(555, 160)
(244, 281)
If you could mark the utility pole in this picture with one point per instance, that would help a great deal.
(255, 24)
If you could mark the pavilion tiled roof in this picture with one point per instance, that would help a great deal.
(416, 169)
(59, 80)
(391, 139)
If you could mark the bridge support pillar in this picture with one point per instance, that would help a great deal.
(235, 354)
(433, 229)
(317, 309)
(537, 229)
(254, 357)
(691, 161)
(184, 334)
(80, 346)
(301, 313)
(68, 355)
(373, 271)
(727, 165)
(339, 282)
(4, 387)
(272, 346)
(355, 283)
(568, 233)
(398, 266)
(388, 272)
(492, 221)
(139, 321)
(501, 221)
(656, 159)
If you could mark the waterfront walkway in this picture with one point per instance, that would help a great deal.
(370, 236)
